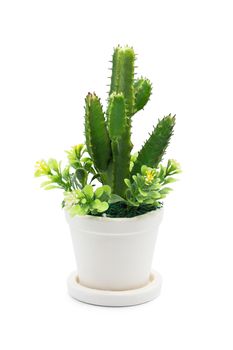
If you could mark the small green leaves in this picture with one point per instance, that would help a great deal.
(82, 176)
(41, 168)
(53, 164)
(103, 192)
(133, 160)
(52, 170)
(86, 201)
(74, 175)
(153, 150)
(99, 206)
(74, 155)
(88, 192)
(142, 91)
(148, 187)
(173, 167)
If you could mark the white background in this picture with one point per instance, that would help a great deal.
(52, 54)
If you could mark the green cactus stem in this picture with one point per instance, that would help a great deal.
(97, 139)
(123, 75)
(117, 119)
(109, 144)
(119, 131)
(154, 148)
(114, 87)
(142, 92)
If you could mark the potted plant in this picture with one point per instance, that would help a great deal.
(113, 198)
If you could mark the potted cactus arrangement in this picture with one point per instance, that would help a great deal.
(112, 196)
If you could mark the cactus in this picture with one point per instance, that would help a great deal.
(119, 132)
(120, 109)
(154, 148)
(108, 138)
(97, 138)
(128, 180)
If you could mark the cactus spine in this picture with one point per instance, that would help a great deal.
(108, 140)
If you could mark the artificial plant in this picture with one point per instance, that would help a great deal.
(132, 180)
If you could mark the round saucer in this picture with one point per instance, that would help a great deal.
(115, 298)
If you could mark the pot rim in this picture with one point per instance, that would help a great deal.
(109, 219)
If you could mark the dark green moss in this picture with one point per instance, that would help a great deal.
(122, 210)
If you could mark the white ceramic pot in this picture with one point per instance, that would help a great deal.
(114, 253)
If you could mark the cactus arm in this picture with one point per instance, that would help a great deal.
(117, 119)
(123, 75)
(119, 131)
(121, 162)
(97, 139)
(127, 78)
(154, 148)
(115, 71)
(142, 91)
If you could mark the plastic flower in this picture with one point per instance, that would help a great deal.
(148, 187)
(75, 153)
(85, 201)
(149, 177)
(42, 168)
(71, 198)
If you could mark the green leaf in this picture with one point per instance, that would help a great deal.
(140, 199)
(86, 159)
(144, 169)
(115, 198)
(51, 187)
(103, 193)
(96, 203)
(98, 192)
(128, 183)
(107, 189)
(82, 176)
(103, 207)
(143, 193)
(165, 191)
(173, 167)
(100, 206)
(148, 201)
(45, 183)
(169, 180)
(75, 153)
(66, 173)
(155, 195)
(88, 191)
(38, 173)
(78, 210)
(53, 164)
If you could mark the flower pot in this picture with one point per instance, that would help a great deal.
(114, 254)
